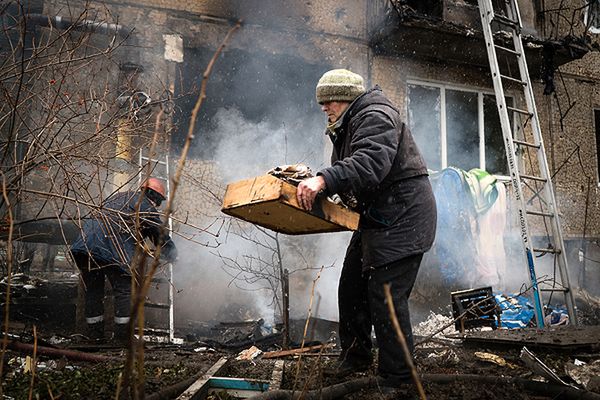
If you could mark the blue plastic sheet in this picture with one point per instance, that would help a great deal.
(517, 312)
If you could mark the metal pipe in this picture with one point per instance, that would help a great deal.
(50, 231)
(51, 352)
(84, 25)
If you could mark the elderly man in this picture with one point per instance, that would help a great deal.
(376, 163)
(106, 248)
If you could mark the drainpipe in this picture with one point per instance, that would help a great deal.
(128, 74)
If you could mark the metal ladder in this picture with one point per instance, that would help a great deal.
(160, 169)
(542, 203)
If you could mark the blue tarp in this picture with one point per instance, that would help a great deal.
(517, 312)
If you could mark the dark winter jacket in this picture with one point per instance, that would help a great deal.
(375, 158)
(109, 236)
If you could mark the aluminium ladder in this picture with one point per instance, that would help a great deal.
(160, 169)
(505, 18)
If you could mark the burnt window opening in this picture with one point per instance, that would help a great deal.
(592, 16)
(273, 92)
(430, 8)
(457, 127)
(597, 130)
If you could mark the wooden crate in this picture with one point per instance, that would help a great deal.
(271, 203)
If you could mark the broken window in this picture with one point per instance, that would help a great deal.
(431, 8)
(456, 127)
(592, 16)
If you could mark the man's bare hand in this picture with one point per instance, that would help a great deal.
(307, 191)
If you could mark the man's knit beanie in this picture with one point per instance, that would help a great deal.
(339, 85)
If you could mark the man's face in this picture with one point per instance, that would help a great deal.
(334, 109)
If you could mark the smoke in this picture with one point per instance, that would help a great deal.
(243, 271)
(248, 149)
(330, 252)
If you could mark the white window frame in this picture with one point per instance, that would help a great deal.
(596, 131)
(480, 124)
(586, 15)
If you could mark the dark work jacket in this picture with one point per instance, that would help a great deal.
(109, 235)
(376, 159)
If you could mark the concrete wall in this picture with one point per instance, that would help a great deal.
(571, 143)
(563, 18)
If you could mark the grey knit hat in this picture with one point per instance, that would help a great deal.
(339, 85)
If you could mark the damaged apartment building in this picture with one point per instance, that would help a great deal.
(88, 85)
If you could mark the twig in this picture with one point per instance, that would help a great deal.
(299, 363)
(402, 341)
(33, 362)
(294, 352)
(9, 257)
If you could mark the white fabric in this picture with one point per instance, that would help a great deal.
(94, 320)
(121, 320)
(490, 241)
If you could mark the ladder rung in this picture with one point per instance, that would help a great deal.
(507, 50)
(518, 110)
(540, 213)
(554, 290)
(164, 306)
(547, 250)
(509, 78)
(537, 146)
(153, 160)
(506, 21)
(534, 178)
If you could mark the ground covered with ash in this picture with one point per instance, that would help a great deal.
(165, 366)
(449, 368)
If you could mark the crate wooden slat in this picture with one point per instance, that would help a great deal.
(271, 203)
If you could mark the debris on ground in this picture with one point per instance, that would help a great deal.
(249, 354)
(584, 374)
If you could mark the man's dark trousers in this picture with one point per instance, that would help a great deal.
(93, 274)
(362, 305)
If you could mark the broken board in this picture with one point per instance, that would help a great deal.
(271, 203)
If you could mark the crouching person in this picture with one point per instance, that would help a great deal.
(106, 246)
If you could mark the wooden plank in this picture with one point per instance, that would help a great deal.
(270, 202)
(198, 389)
(256, 385)
(291, 352)
(248, 191)
(554, 337)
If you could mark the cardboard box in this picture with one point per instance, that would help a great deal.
(271, 203)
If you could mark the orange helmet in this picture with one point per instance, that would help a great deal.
(157, 185)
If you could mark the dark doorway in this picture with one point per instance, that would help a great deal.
(273, 93)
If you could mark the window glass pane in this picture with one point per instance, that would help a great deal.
(593, 17)
(462, 133)
(424, 122)
(495, 155)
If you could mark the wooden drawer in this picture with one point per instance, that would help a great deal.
(271, 203)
